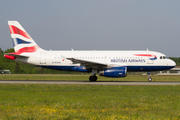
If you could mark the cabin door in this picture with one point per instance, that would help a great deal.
(43, 58)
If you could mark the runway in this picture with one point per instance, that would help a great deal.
(87, 82)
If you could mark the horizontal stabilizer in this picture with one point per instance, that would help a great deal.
(13, 56)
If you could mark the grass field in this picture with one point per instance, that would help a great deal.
(69, 102)
(93, 102)
(86, 77)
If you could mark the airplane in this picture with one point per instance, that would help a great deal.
(105, 63)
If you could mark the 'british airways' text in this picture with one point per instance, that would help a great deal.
(128, 60)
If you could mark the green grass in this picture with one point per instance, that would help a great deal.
(86, 77)
(32, 101)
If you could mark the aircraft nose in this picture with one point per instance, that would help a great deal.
(173, 63)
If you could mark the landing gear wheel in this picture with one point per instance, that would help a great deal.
(149, 76)
(149, 79)
(92, 78)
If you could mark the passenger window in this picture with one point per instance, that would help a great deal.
(160, 57)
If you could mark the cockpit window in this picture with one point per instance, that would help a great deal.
(163, 57)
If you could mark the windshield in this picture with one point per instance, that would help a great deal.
(163, 57)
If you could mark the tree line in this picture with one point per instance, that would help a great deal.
(22, 68)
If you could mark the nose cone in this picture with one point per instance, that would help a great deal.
(172, 63)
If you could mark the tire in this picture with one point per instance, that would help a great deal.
(92, 78)
(149, 79)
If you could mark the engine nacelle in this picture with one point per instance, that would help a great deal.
(114, 72)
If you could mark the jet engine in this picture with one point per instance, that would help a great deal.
(114, 72)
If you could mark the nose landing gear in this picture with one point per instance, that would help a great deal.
(149, 76)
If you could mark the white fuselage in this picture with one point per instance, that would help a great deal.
(133, 60)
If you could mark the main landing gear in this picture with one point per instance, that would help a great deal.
(93, 76)
(149, 76)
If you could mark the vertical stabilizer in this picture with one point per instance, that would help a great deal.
(22, 41)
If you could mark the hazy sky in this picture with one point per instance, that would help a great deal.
(96, 24)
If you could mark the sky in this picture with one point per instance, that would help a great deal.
(96, 24)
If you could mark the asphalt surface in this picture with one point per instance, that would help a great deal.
(87, 82)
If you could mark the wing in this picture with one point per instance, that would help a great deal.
(88, 64)
(94, 65)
